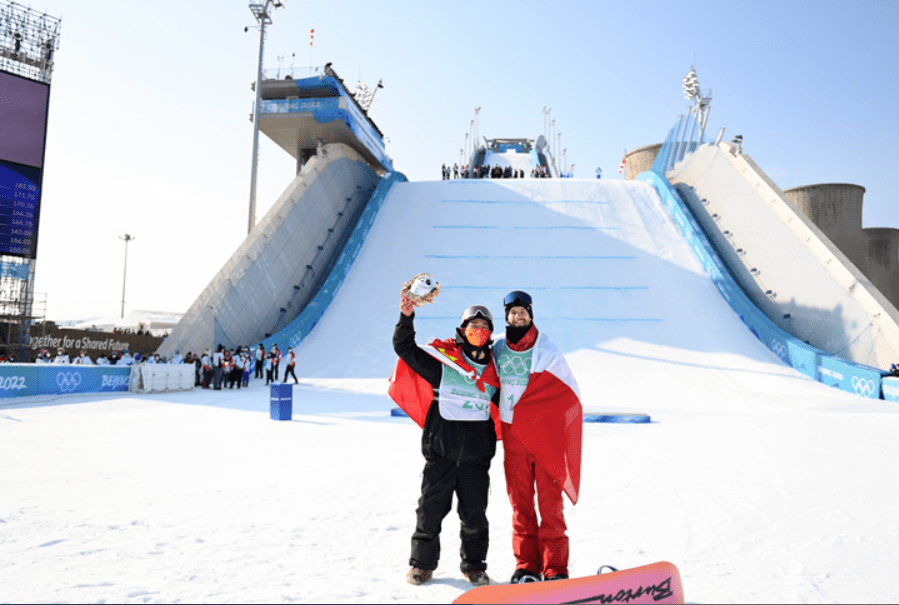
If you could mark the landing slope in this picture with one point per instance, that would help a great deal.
(614, 285)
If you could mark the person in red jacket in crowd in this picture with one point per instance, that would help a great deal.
(291, 364)
(275, 356)
(541, 422)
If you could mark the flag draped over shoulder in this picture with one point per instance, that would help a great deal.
(414, 394)
(549, 418)
(411, 392)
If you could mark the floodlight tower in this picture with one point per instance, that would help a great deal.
(261, 13)
(477, 129)
(701, 106)
(126, 238)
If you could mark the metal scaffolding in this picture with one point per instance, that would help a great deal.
(28, 41)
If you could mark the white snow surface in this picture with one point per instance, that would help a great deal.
(760, 484)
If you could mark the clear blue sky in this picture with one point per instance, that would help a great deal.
(149, 132)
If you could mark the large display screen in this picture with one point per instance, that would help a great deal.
(19, 208)
(23, 127)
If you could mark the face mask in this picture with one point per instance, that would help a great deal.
(477, 337)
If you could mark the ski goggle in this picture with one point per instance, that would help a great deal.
(517, 296)
(477, 311)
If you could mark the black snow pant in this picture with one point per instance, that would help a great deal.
(471, 483)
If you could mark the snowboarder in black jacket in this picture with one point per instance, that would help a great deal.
(458, 439)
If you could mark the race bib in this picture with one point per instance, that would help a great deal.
(460, 398)
(514, 368)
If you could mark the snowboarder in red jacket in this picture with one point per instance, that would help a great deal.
(541, 421)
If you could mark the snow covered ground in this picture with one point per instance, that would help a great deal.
(761, 485)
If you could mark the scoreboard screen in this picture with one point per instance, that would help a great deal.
(23, 127)
(19, 209)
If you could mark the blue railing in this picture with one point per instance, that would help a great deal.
(679, 143)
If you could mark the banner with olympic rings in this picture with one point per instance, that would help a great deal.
(23, 379)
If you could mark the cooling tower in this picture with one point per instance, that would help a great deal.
(836, 209)
(640, 159)
(883, 261)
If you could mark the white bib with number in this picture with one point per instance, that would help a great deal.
(514, 370)
(460, 398)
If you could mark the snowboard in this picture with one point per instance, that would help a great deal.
(656, 583)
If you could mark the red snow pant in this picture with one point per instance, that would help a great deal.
(540, 547)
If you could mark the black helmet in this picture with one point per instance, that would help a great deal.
(477, 311)
(518, 298)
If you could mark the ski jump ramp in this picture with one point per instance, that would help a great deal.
(615, 281)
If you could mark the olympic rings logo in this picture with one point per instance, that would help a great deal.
(509, 364)
(863, 386)
(68, 381)
(779, 349)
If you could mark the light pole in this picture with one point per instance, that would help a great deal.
(558, 143)
(127, 238)
(261, 12)
(477, 129)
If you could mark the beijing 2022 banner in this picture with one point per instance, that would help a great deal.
(20, 380)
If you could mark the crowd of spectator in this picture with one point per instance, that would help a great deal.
(212, 369)
(114, 358)
(233, 367)
(486, 172)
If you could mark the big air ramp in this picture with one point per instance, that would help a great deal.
(284, 259)
(614, 284)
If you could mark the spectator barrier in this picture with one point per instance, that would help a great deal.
(891, 388)
(162, 377)
(21, 379)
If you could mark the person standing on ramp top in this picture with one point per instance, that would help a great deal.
(541, 421)
(447, 387)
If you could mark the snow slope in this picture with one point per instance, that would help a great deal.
(759, 483)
